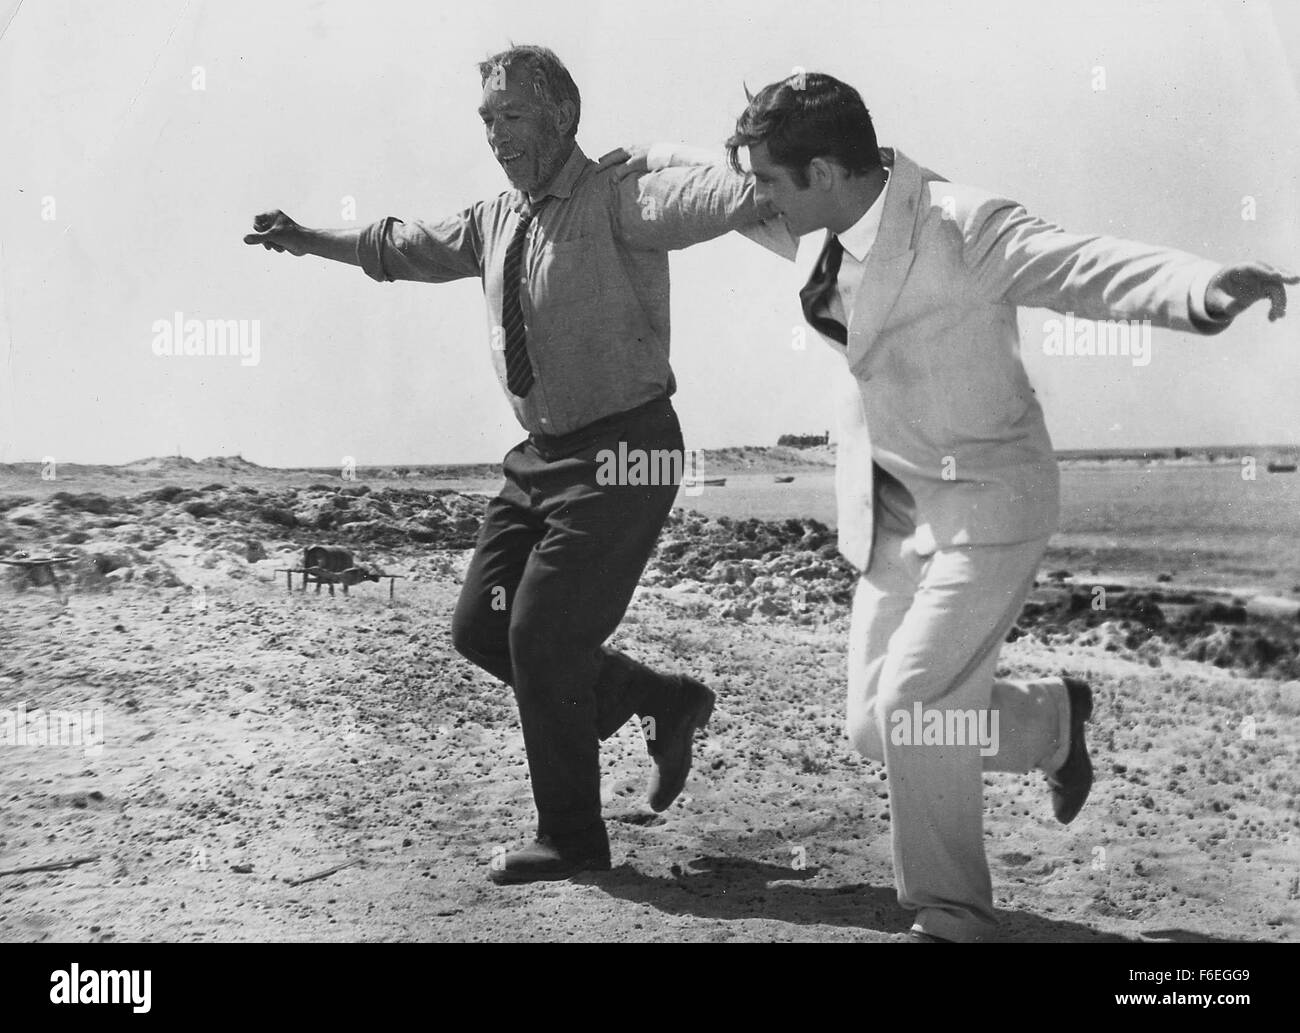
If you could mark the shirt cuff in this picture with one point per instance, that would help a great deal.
(1196, 311)
(370, 248)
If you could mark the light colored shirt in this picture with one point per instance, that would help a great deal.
(858, 241)
(772, 233)
(594, 288)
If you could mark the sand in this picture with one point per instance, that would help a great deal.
(254, 737)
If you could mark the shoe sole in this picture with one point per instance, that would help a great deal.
(698, 721)
(504, 877)
(1078, 739)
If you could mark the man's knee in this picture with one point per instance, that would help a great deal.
(464, 638)
(478, 637)
(535, 646)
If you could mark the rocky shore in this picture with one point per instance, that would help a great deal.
(741, 570)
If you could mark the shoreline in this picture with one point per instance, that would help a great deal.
(746, 569)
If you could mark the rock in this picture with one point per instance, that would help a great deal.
(201, 509)
(90, 502)
(274, 515)
(736, 611)
(105, 557)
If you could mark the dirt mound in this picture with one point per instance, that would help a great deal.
(172, 535)
(159, 464)
(754, 459)
(1149, 625)
(741, 570)
(755, 570)
(230, 464)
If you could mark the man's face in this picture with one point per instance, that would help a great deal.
(523, 134)
(801, 207)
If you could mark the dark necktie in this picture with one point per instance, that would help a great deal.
(519, 369)
(819, 290)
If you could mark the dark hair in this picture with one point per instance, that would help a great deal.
(551, 80)
(809, 115)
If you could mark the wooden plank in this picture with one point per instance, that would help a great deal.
(322, 873)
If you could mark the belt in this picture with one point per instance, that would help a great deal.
(573, 441)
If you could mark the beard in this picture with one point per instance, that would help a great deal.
(535, 168)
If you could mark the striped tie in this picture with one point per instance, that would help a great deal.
(519, 370)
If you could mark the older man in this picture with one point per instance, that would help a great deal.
(574, 268)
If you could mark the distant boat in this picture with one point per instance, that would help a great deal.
(783, 480)
(711, 482)
(1281, 467)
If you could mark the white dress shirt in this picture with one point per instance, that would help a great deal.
(857, 240)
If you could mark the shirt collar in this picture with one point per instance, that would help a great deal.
(859, 238)
(561, 184)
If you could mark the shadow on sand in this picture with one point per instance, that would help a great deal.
(730, 888)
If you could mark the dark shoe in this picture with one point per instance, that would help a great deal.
(916, 936)
(671, 747)
(549, 857)
(1071, 783)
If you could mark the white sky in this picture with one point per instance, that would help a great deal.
(154, 183)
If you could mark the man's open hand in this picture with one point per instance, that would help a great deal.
(626, 161)
(1235, 288)
(277, 232)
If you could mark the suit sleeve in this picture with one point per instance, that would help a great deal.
(1018, 258)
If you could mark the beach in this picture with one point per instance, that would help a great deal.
(293, 765)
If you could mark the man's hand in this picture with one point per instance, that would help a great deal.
(277, 232)
(1235, 288)
(626, 161)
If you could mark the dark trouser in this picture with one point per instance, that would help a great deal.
(558, 558)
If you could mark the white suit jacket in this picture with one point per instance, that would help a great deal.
(935, 390)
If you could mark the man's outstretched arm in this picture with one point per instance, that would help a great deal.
(431, 252)
(1016, 257)
(672, 195)
(275, 231)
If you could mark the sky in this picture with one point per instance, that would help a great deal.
(137, 142)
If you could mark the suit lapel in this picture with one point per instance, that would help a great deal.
(889, 261)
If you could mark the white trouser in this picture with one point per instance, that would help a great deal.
(928, 630)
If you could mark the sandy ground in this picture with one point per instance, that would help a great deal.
(255, 737)
(270, 736)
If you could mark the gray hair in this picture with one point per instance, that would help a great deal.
(551, 80)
